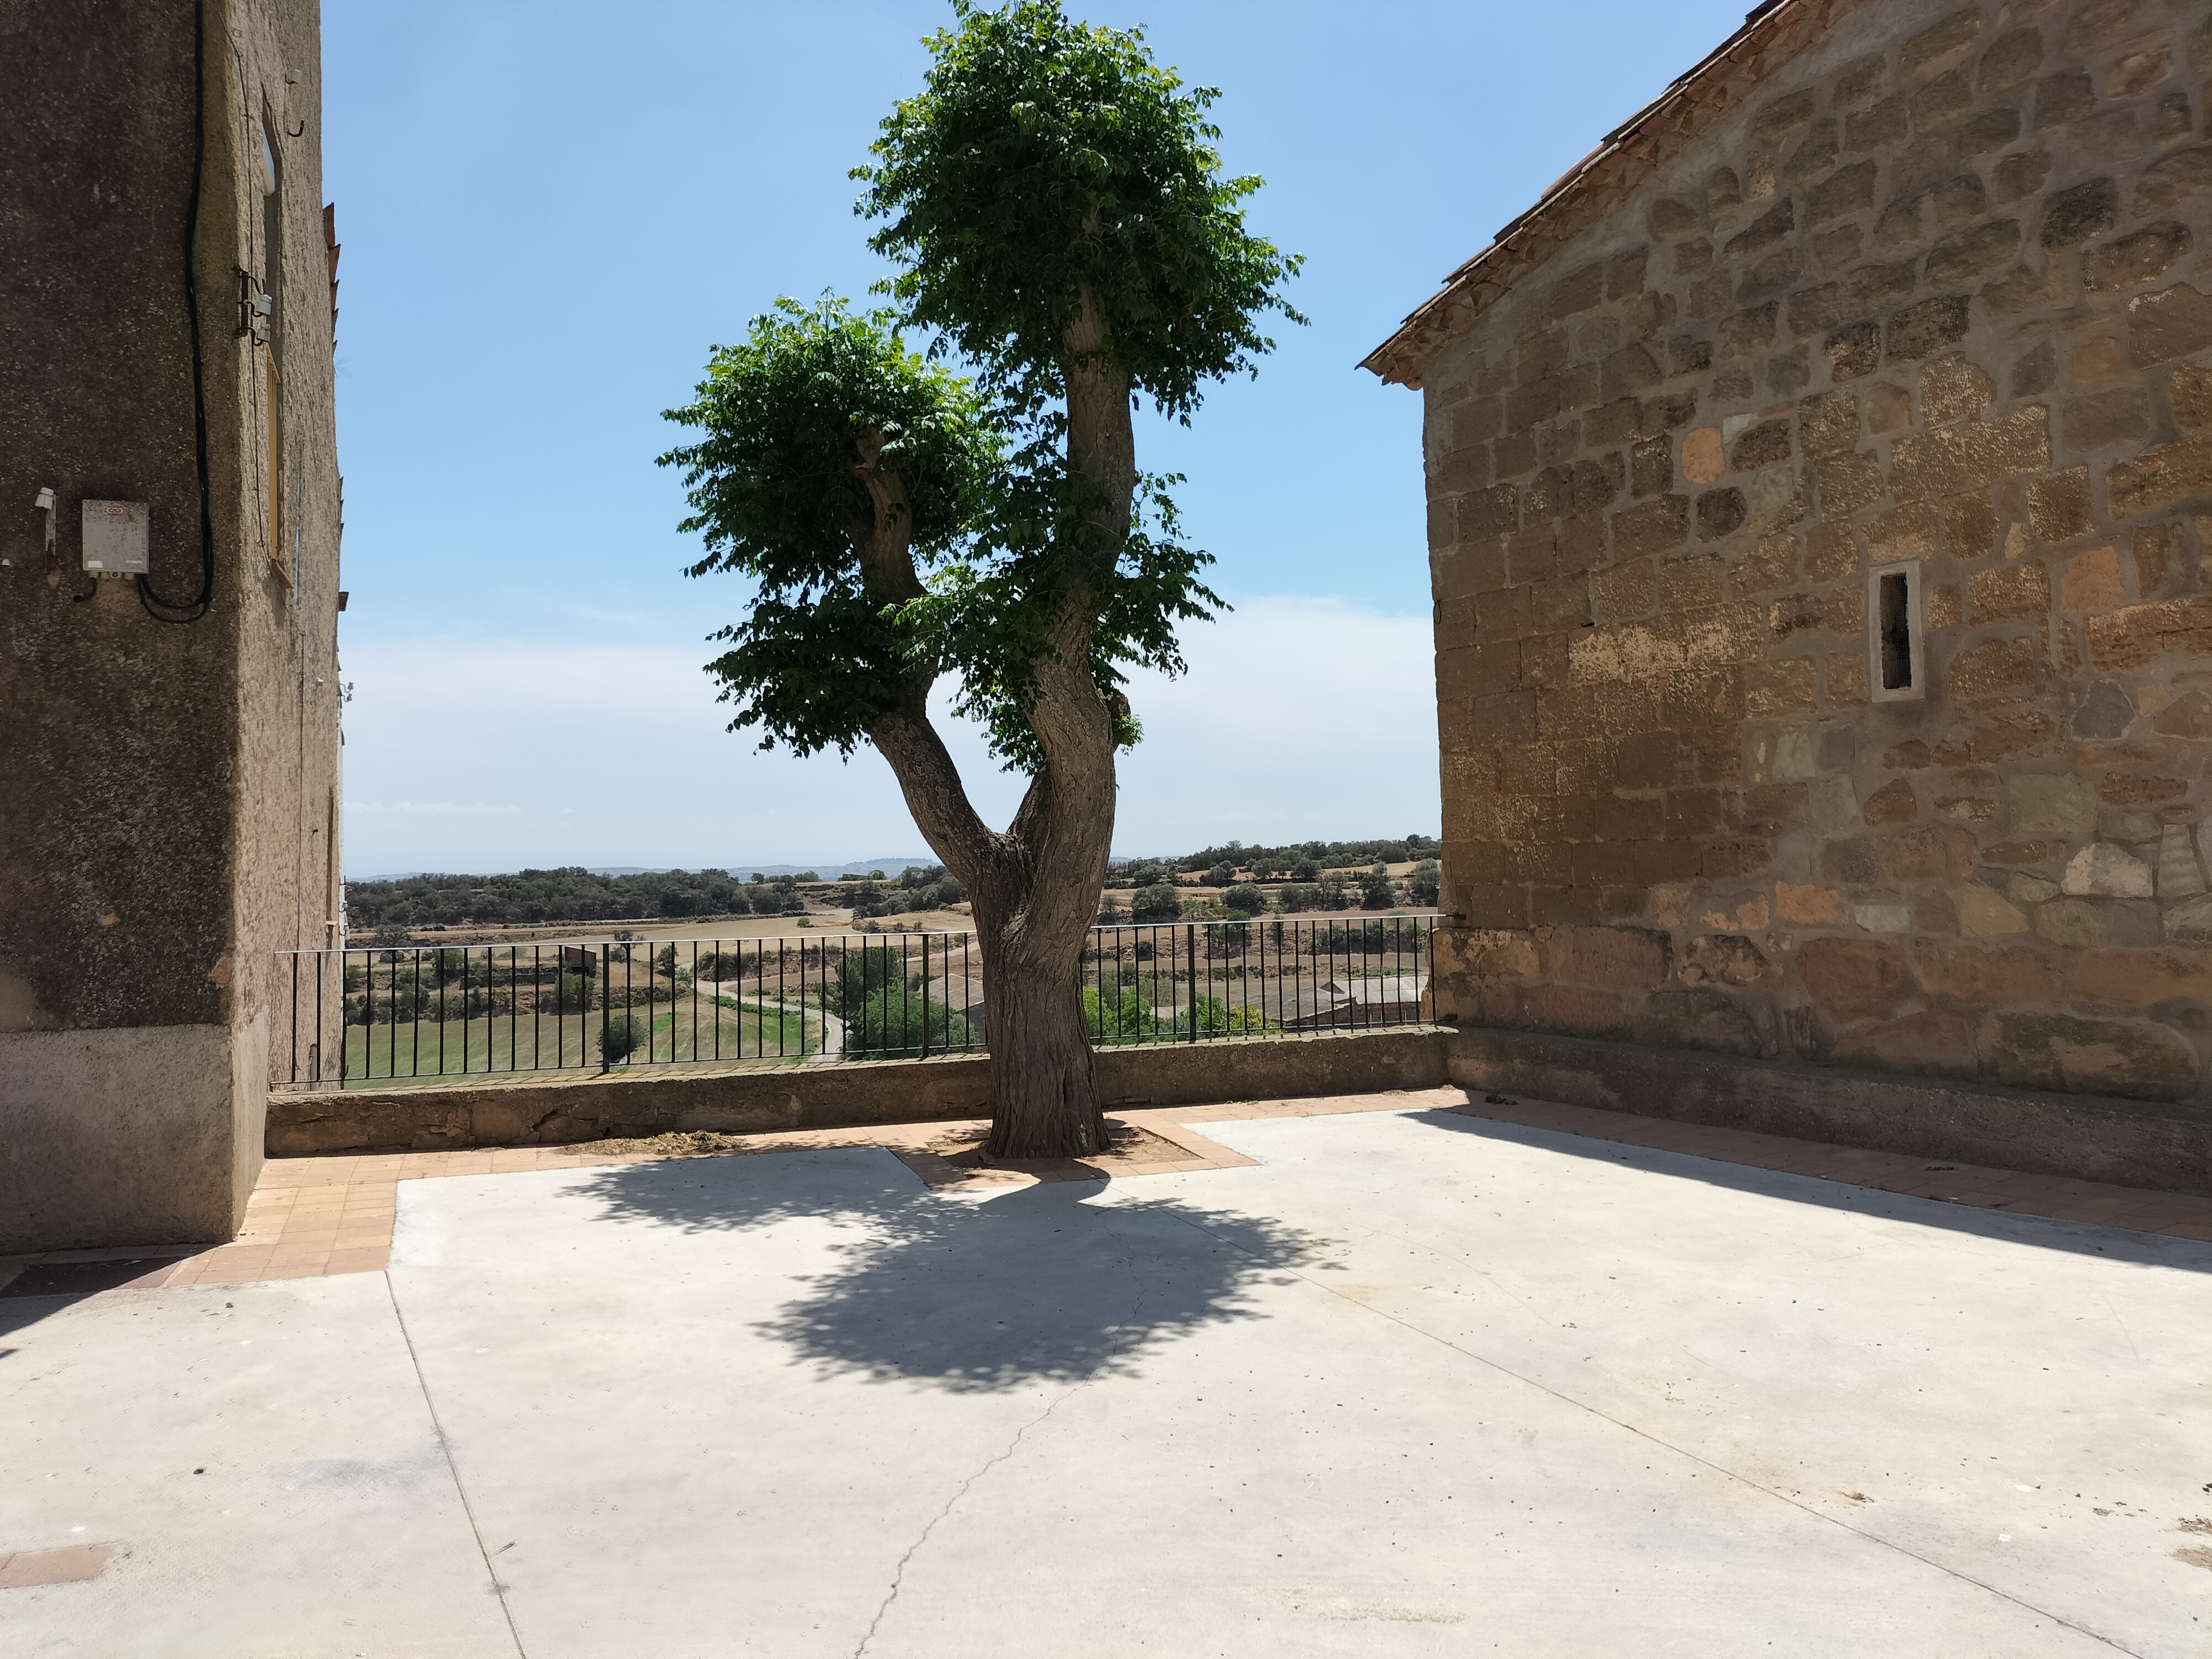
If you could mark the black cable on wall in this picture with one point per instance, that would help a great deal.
(152, 600)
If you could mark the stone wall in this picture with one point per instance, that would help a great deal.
(654, 1100)
(1936, 294)
(169, 815)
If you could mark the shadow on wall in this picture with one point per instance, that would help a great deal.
(1043, 1283)
(2114, 1243)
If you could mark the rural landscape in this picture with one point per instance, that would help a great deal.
(703, 969)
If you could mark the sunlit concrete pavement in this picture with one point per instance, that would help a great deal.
(1416, 1384)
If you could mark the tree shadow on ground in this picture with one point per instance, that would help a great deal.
(1057, 1282)
(2081, 1237)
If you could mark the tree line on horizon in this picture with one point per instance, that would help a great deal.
(572, 894)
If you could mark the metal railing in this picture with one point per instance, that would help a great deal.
(417, 1013)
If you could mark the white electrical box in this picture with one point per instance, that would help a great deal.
(115, 537)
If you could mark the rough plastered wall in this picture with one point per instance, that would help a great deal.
(167, 785)
(1938, 294)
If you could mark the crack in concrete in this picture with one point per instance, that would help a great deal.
(1679, 1451)
(898, 1573)
(446, 1449)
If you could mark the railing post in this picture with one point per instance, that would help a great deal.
(606, 1000)
(1190, 929)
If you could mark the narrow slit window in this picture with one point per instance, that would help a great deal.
(1897, 648)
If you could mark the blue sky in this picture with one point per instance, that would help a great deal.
(552, 211)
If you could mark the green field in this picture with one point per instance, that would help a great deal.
(721, 1031)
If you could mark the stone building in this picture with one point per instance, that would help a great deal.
(1820, 518)
(168, 723)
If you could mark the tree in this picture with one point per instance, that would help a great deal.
(1063, 224)
(1160, 902)
(621, 1036)
(1247, 897)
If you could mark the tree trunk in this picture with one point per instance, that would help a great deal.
(1035, 887)
(1044, 1082)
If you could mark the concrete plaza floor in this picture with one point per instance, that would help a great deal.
(1414, 1383)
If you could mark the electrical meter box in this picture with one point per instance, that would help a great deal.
(115, 537)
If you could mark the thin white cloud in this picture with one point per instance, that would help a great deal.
(1300, 717)
(430, 808)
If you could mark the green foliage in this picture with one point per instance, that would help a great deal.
(1425, 882)
(567, 895)
(816, 406)
(1215, 1017)
(862, 974)
(1375, 892)
(1245, 896)
(1121, 1014)
(895, 1020)
(619, 1037)
(1048, 160)
(1162, 903)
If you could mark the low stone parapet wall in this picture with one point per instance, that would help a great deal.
(2134, 1143)
(557, 1110)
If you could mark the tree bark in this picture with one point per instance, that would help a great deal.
(1035, 888)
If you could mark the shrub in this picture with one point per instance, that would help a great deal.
(1118, 1016)
(1376, 893)
(1245, 896)
(1159, 902)
(1215, 1017)
(1300, 895)
(1425, 882)
(1305, 869)
(894, 1021)
(1109, 912)
(1220, 875)
(619, 1037)
(862, 974)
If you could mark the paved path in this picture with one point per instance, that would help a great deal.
(1410, 1382)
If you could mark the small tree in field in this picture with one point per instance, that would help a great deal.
(1063, 224)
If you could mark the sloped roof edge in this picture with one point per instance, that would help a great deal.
(1772, 33)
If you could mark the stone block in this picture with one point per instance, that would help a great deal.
(1934, 1042)
(2143, 256)
(2058, 505)
(2174, 322)
(2063, 97)
(2129, 1058)
(2020, 175)
(1703, 1017)
(1853, 351)
(1898, 860)
(2012, 974)
(2012, 59)
(2092, 581)
(2140, 634)
(2073, 923)
(1855, 977)
(2106, 419)
(1846, 190)
(1720, 513)
(1653, 526)
(1877, 127)
(2143, 978)
(1987, 133)
(1729, 960)
(2105, 711)
(2160, 477)
(1998, 668)
(2046, 804)
(1919, 330)
(2017, 592)
(1846, 483)
(1983, 914)
(2167, 183)
(2180, 874)
(1955, 460)
(1809, 905)
(1892, 803)
(2102, 870)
